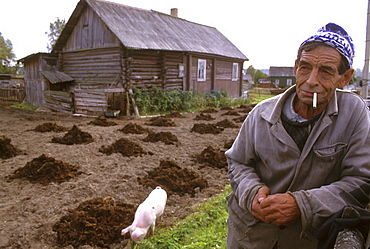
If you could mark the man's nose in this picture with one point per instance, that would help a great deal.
(313, 79)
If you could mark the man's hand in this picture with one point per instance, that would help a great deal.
(277, 209)
(256, 209)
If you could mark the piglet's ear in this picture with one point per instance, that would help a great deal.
(126, 230)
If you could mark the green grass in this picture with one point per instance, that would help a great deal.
(205, 228)
(25, 106)
(257, 96)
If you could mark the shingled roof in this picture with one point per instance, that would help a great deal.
(281, 71)
(56, 76)
(147, 29)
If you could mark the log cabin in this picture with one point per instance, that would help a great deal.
(106, 49)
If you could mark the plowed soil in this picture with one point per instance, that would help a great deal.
(80, 188)
(47, 127)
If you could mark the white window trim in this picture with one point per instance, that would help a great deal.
(201, 72)
(235, 72)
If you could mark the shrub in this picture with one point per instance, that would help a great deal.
(157, 100)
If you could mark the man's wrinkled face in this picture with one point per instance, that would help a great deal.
(317, 71)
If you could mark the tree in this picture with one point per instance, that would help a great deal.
(56, 29)
(6, 56)
(259, 75)
(251, 71)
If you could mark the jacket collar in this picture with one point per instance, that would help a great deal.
(272, 113)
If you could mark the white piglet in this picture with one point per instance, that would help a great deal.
(146, 215)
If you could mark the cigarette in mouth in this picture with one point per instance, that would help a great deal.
(314, 101)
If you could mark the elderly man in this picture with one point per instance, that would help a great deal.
(302, 156)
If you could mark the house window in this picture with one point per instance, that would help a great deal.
(201, 76)
(277, 82)
(181, 70)
(235, 72)
(289, 82)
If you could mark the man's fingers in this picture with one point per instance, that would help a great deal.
(260, 199)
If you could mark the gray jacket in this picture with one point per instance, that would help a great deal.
(332, 171)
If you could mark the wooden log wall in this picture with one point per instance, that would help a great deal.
(58, 101)
(94, 68)
(224, 70)
(218, 75)
(89, 101)
(223, 78)
(145, 68)
(172, 70)
(154, 68)
(201, 85)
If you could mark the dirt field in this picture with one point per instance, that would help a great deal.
(75, 182)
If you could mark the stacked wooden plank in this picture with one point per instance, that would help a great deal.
(90, 101)
(58, 101)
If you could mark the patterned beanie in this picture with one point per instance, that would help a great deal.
(335, 36)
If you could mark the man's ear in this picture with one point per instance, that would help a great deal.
(295, 68)
(346, 77)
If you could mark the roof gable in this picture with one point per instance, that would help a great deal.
(146, 29)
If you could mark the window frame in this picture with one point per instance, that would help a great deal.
(235, 72)
(181, 70)
(202, 70)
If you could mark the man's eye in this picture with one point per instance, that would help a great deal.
(327, 72)
(303, 68)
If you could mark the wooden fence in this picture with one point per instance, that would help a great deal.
(12, 94)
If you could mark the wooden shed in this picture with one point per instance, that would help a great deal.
(106, 49)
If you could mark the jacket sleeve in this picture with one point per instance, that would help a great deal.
(241, 162)
(353, 186)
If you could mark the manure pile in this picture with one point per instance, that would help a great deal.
(161, 121)
(45, 170)
(165, 137)
(207, 128)
(211, 157)
(174, 179)
(95, 222)
(134, 129)
(124, 146)
(7, 150)
(74, 136)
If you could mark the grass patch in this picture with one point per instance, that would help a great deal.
(257, 95)
(25, 106)
(206, 228)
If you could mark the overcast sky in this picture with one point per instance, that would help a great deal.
(268, 32)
